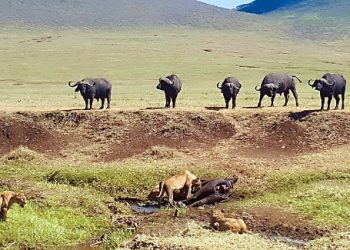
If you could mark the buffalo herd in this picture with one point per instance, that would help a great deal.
(329, 85)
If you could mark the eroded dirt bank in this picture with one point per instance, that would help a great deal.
(109, 136)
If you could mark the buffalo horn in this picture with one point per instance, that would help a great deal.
(218, 85)
(166, 80)
(69, 84)
(87, 83)
(326, 82)
(309, 82)
(257, 88)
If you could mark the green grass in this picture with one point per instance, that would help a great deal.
(48, 227)
(322, 196)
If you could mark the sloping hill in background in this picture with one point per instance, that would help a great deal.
(104, 13)
(308, 18)
(265, 6)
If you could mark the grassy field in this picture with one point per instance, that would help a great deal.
(37, 64)
(71, 184)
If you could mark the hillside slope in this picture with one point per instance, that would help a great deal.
(325, 8)
(102, 13)
(266, 6)
(308, 18)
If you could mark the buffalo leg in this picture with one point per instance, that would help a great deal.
(167, 100)
(109, 94)
(322, 102)
(91, 101)
(234, 102)
(227, 101)
(273, 99)
(86, 103)
(286, 98)
(342, 100)
(210, 200)
(260, 100)
(174, 101)
(295, 94)
(102, 103)
(329, 103)
(337, 99)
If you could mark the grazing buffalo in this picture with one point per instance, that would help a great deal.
(278, 83)
(230, 88)
(330, 85)
(94, 88)
(171, 85)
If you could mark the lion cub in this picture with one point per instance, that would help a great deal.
(177, 182)
(220, 223)
(7, 199)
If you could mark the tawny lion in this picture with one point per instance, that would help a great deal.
(177, 182)
(220, 223)
(7, 199)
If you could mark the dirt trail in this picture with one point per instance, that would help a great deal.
(124, 134)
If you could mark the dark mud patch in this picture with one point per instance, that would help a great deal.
(279, 224)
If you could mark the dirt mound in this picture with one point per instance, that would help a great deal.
(181, 131)
(109, 136)
(18, 131)
(276, 135)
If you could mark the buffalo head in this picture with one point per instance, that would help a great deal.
(319, 84)
(269, 89)
(163, 83)
(81, 86)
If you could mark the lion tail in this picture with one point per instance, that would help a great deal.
(161, 189)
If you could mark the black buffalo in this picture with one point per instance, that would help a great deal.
(94, 88)
(330, 85)
(230, 88)
(278, 83)
(171, 85)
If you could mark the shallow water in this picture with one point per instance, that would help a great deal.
(146, 209)
(289, 241)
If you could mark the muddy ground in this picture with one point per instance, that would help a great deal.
(123, 135)
(206, 136)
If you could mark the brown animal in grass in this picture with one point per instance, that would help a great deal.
(173, 184)
(7, 199)
(220, 223)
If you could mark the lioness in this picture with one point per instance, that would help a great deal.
(219, 222)
(177, 182)
(7, 199)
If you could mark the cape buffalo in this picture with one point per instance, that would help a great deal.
(330, 85)
(278, 83)
(230, 88)
(171, 85)
(94, 88)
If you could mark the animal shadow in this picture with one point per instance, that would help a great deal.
(70, 110)
(154, 108)
(215, 108)
(251, 107)
(297, 116)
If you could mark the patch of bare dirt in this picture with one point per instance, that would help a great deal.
(276, 135)
(275, 221)
(109, 136)
(18, 131)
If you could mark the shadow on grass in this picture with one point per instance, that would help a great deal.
(302, 114)
(252, 107)
(154, 108)
(70, 110)
(215, 108)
